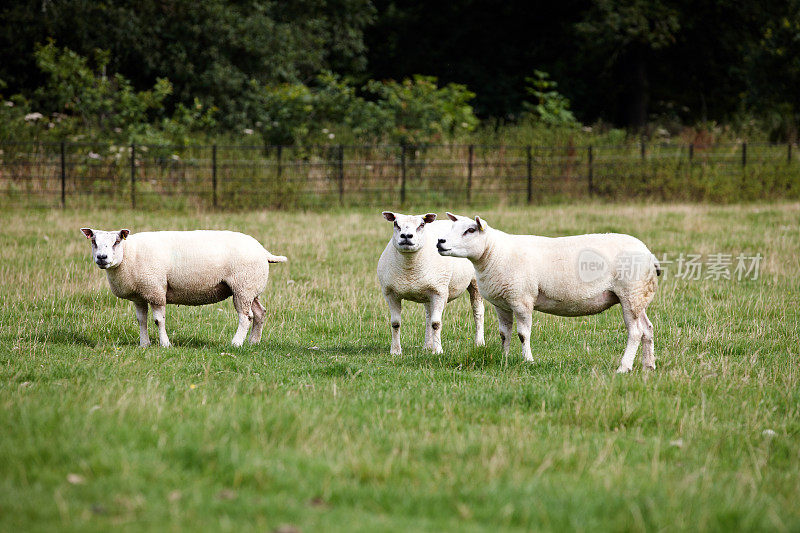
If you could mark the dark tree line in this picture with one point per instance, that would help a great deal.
(617, 60)
(621, 61)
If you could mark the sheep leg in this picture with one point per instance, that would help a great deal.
(141, 316)
(634, 338)
(648, 355)
(524, 321)
(244, 308)
(259, 312)
(428, 329)
(477, 311)
(395, 306)
(505, 320)
(160, 318)
(437, 304)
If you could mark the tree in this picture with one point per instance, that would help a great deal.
(628, 32)
(210, 49)
(773, 73)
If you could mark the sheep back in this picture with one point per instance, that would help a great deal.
(189, 267)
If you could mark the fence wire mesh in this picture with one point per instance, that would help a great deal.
(159, 176)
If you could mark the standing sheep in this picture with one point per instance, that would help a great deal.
(188, 268)
(566, 276)
(411, 269)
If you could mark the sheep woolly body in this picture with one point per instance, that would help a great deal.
(419, 274)
(192, 268)
(522, 273)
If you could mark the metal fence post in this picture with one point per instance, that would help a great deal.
(63, 176)
(744, 154)
(643, 150)
(403, 174)
(471, 155)
(133, 175)
(691, 152)
(214, 176)
(279, 169)
(591, 171)
(340, 164)
(789, 152)
(530, 174)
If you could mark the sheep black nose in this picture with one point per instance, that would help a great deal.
(442, 241)
(405, 235)
(102, 257)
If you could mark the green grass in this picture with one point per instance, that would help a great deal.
(320, 428)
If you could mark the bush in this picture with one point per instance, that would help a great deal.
(85, 103)
(422, 112)
(551, 107)
(414, 111)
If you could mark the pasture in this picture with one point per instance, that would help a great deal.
(319, 428)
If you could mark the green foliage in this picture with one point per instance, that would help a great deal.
(421, 111)
(551, 107)
(414, 111)
(89, 102)
(102, 103)
(209, 50)
(620, 23)
(341, 108)
(284, 112)
(774, 75)
(13, 123)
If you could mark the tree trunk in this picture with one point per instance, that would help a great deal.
(637, 91)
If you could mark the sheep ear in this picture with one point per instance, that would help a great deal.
(451, 216)
(430, 217)
(88, 232)
(481, 224)
(123, 233)
(388, 215)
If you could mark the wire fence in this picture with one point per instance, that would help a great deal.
(233, 177)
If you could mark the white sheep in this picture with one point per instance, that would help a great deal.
(187, 268)
(566, 276)
(411, 269)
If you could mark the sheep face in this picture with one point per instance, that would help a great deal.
(106, 249)
(409, 230)
(466, 238)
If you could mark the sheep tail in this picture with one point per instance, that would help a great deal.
(276, 258)
(657, 265)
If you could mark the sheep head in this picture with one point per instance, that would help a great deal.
(466, 238)
(409, 230)
(106, 249)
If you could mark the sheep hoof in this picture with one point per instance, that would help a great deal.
(623, 369)
(237, 343)
(396, 352)
(480, 342)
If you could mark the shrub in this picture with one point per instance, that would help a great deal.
(421, 112)
(551, 107)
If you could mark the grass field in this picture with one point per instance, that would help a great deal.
(319, 428)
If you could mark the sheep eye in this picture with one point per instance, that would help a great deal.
(469, 230)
